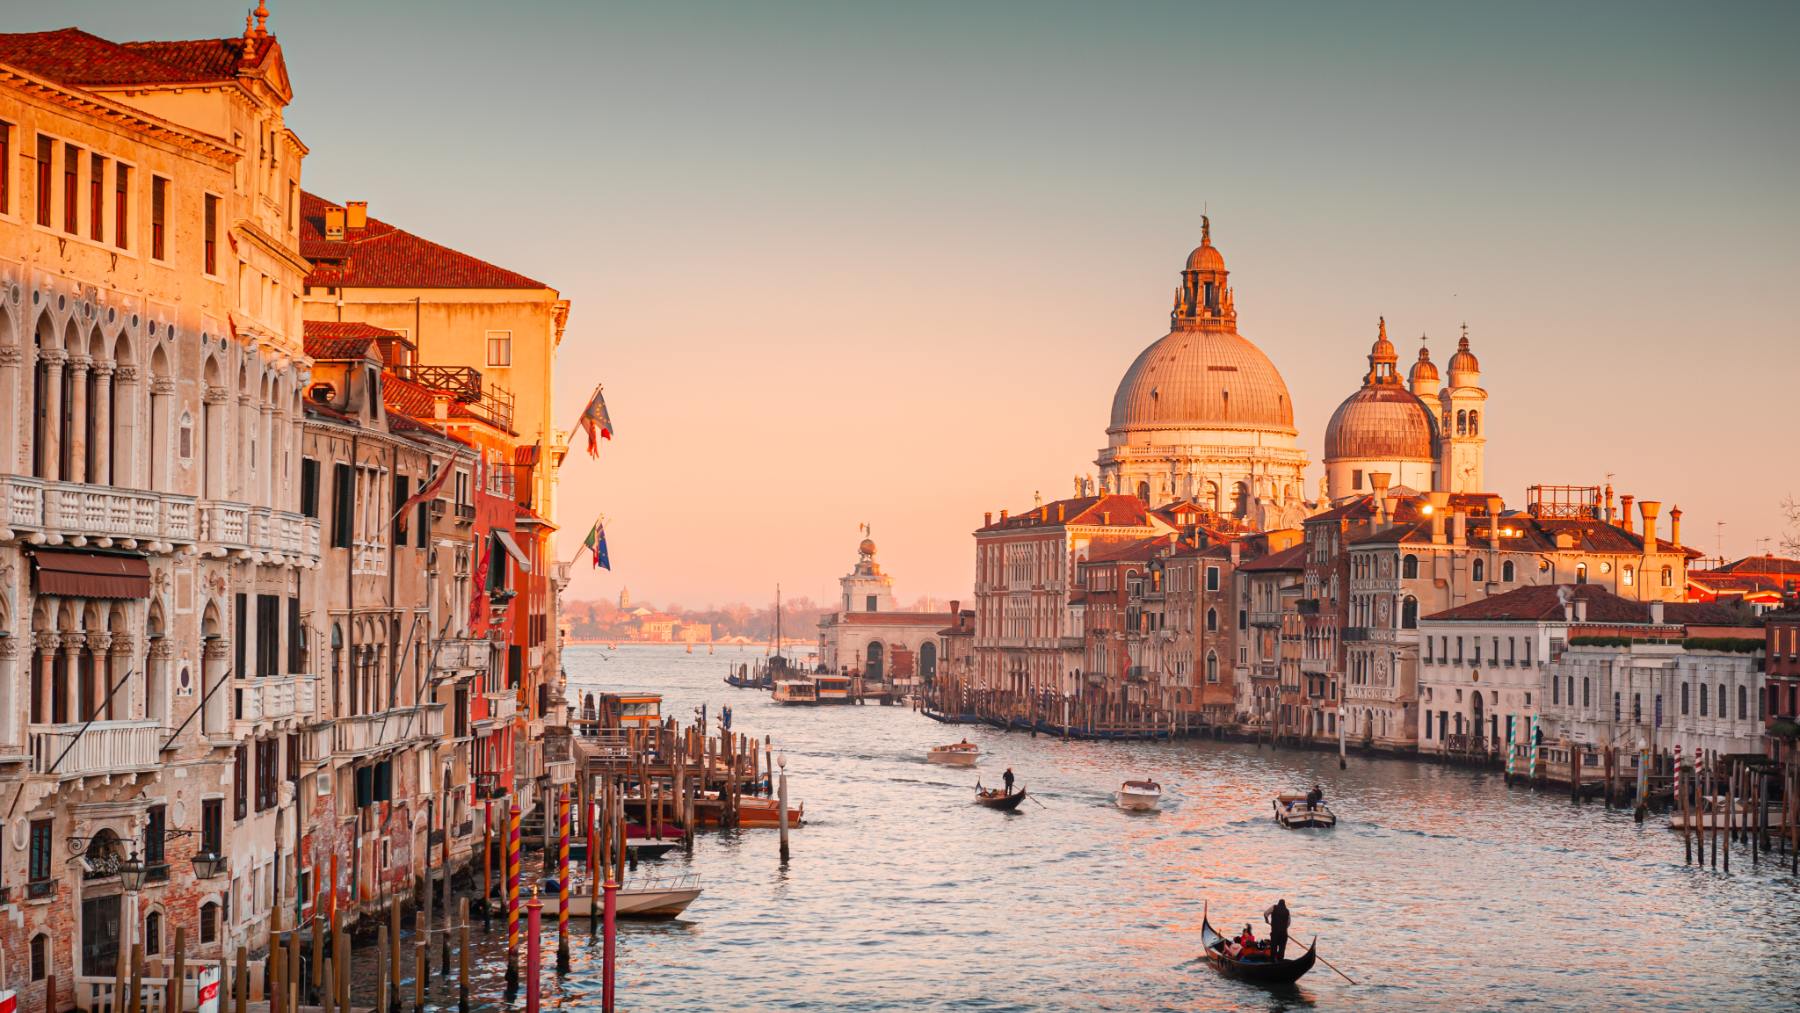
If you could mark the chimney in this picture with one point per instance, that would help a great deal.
(1651, 509)
(440, 406)
(1609, 503)
(1625, 510)
(1494, 504)
(1581, 610)
(1003, 517)
(1237, 551)
(1459, 528)
(1656, 612)
(955, 607)
(334, 223)
(1060, 511)
(987, 519)
(1568, 607)
(356, 214)
(1380, 479)
(1438, 502)
(1675, 527)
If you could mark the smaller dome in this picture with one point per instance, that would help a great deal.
(867, 547)
(1424, 369)
(1464, 361)
(1381, 422)
(1206, 257)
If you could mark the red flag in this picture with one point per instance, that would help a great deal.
(487, 549)
(429, 491)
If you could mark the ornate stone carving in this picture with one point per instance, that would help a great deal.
(104, 369)
(80, 364)
(216, 395)
(100, 642)
(48, 641)
(161, 649)
(217, 650)
(8, 649)
(11, 355)
(74, 642)
(53, 356)
(126, 374)
(162, 386)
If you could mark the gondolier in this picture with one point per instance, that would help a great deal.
(1007, 778)
(1277, 917)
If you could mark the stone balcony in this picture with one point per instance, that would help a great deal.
(106, 748)
(74, 513)
(368, 733)
(258, 532)
(274, 700)
(501, 706)
(463, 655)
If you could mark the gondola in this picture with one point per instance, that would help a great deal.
(997, 798)
(1261, 972)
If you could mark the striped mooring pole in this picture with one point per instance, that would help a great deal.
(562, 882)
(512, 896)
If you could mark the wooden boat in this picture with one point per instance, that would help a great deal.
(956, 754)
(1139, 796)
(651, 898)
(1260, 970)
(753, 811)
(997, 798)
(1291, 811)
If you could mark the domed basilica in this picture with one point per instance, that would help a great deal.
(1203, 415)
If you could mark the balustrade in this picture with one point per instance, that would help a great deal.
(77, 510)
(106, 747)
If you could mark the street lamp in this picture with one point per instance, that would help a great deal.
(131, 873)
(208, 865)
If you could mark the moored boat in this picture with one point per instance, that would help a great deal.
(648, 898)
(997, 798)
(1264, 970)
(796, 691)
(1139, 796)
(956, 754)
(1294, 812)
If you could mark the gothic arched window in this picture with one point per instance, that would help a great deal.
(1409, 567)
(1506, 571)
(1474, 423)
(1462, 422)
(1478, 570)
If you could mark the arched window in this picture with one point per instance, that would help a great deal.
(1724, 711)
(1212, 667)
(1668, 576)
(1637, 707)
(1580, 573)
(153, 933)
(1409, 566)
(1628, 575)
(1478, 570)
(1212, 620)
(1506, 571)
(1704, 697)
(1743, 703)
(209, 921)
(1462, 423)
(1474, 423)
(1409, 613)
(1143, 491)
(40, 957)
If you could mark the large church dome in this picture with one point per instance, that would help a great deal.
(1209, 378)
(1381, 421)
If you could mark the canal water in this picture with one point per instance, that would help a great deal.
(1440, 887)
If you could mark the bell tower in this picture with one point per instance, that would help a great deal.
(1463, 411)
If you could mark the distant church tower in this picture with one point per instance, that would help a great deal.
(1462, 405)
(866, 588)
(624, 599)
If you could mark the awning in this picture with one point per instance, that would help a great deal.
(513, 550)
(91, 574)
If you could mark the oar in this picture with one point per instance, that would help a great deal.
(1329, 964)
(1040, 805)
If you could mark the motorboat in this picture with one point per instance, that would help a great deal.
(1139, 796)
(956, 754)
(644, 898)
(1295, 812)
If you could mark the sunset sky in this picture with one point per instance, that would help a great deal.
(840, 263)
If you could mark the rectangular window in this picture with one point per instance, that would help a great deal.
(296, 643)
(41, 840)
(71, 189)
(400, 494)
(499, 345)
(122, 205)
(212, 826)
(154, 833)
(159, 217)
(309, 487)
(240, 782)
(46, 148)
(268, 772)
(1212, 578)
(97, 198)
(268, 634)
(212, 234)
(343, 500)
(496, 565)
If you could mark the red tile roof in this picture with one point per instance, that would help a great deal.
(72, 56)
(383, 256)
(1764, 565)
(1541, 602)
(333, 340)
(1110, 510)
(891, 618)
(1134, 550)
(1289, 560)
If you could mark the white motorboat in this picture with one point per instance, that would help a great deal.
(1139, 796)
(655, 898)
(956, 754)
(1295, 812)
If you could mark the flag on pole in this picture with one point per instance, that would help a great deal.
(596, 421)
(596, 543)
(475, 609)
(426, 492)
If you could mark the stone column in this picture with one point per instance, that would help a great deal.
(156, 683)
(10, 696)
(122, 467)
(44, 675)
(101, 472)
(52, 452)
(11, 357)
(127, 704)
(215, 657)
(160, 454)
(244, 476)
(72, 643)
(78, 418)
(269, 461)
(213, 467)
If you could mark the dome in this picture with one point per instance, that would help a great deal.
(1464, 361)
(1202, 378)
(1382, 422)
(867, 547)
(1424, 369)
(1206, 257)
